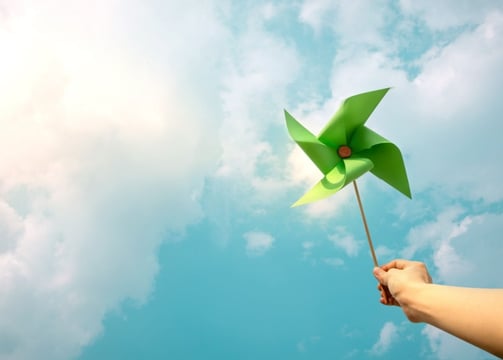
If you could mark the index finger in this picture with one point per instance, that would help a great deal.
(398, 264)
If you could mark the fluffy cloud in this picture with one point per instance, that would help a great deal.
(340, 16)
(467, 259)
(345, 241)
(478, 248)
(465, 250)
(431, 234)
(445, 118)
(258, 73)
(450, 13)
(311, 12)
(258, 243)
(446, 346)
(95, 171)
(387, 336)
(335, 262)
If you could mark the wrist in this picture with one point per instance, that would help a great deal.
(414, 301)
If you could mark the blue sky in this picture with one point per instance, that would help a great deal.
(146, 175)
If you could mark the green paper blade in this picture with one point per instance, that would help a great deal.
(355, 167)
(345, 172)
(323, 157)
(352, 114)
(389, 166)
(364, 138)
(325, 187)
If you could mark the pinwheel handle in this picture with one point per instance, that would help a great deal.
(365, 225)
(387, 294)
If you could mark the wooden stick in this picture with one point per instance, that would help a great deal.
(384, 289)
(369, 239)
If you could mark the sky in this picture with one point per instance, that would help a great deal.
(146, 175)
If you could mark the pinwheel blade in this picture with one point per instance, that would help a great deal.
(364, 138)
(352, 114)
(341, 175)
(356, 167)
(389, 166)
(323, 157)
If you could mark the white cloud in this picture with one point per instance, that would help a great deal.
(446, 119)
(446, 347)
(431, 234)
(258, 243)
(465, 248)
(384, 252)
(459, 121)
(301, 169)
(387, 337)
(435, 106)
(308, 245)
(465, 251)
(306, 344)
(441, 15)
(473, 252)
(335, 262)
(357, 71)
(345, 241)
(341, 17)
(96, 169)
(253, 80)
(258, 71)
(312, 12)
(11, 225)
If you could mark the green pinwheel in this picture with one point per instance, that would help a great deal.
(347, 149)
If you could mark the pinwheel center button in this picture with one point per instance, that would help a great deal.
(344, 151)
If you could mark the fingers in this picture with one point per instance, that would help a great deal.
(381, 275)
(398, 273)
(386, 298)
(390, 302)
(398, 264)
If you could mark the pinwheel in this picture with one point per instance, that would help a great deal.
(347, 149)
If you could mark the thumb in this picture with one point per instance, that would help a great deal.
(381, 275)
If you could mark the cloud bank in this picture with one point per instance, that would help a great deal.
(96, 172)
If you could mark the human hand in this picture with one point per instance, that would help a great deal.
(399, 277)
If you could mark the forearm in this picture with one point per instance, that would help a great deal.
(474, 315)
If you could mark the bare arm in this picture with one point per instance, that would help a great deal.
(474, 315)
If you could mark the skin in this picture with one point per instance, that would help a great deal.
(472, 314)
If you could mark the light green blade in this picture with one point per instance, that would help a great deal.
(389, 166)
(352, 114)
(356, 166)
(364, 138)
(323, 157)
(346, 171)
